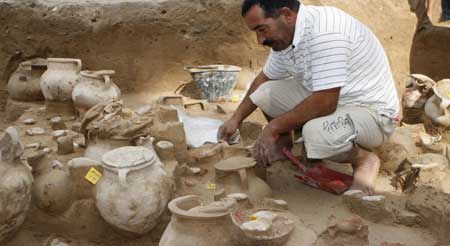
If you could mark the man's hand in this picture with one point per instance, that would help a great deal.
(227, 130)
(265, 147)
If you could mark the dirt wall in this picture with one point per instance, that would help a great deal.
(148, 42)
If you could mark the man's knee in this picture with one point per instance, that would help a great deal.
(262, 98)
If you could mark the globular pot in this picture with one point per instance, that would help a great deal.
(134, 189)
(53, 187)
(196, 224)
(15, 184)
(24, 83)
(237, 175)
(94, 87)
(437, 107)
(61, 77)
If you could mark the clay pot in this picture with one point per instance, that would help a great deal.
(52, 191)
(15, 184)
(24, 83)
(94, 87)
(418, 90)
(134, 189)
(437, 107)
(62, 75)
(195, 225)
(237, 175)
(279, 228)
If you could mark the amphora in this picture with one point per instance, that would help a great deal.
(196, 224)
(134, 189)
(94, 87)
(437, 107)
(24, 83)
(237, 175)
(15, 184)
(62, 75)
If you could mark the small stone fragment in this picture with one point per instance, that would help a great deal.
(35, 131)
(65, 145)
(59, 133)
(29, 121)
(57, 123)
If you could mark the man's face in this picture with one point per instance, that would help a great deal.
(276, 33)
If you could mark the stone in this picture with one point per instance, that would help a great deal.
(35, 131)
(65, 145)
(29, 121)
(57, 123)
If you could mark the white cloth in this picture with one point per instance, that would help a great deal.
(332, 49)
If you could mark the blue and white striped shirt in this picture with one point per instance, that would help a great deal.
(332, 49)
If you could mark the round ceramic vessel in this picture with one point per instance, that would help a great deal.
(61, 77)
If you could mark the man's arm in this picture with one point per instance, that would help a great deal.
(247, 107)
(320, 103)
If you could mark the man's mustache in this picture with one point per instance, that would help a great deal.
(268, 43)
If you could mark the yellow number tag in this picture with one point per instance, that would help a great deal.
(211, 186)
(448, 95)
(93, 175)
(235, 98)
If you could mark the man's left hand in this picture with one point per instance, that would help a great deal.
(265, 145)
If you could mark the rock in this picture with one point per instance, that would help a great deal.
(58, 133)
(57, 123)
(35, 131)
(65, 145)
(352, 231)
(29, 121)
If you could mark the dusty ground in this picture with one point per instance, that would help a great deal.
(149, 42)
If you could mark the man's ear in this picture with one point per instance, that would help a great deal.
(288, 14)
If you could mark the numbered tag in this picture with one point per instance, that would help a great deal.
(211, 186)
(235, 98)
(448, 95)
(93, 176)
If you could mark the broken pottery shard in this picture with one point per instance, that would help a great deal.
(29, 121)
(35, 131)
(11, 148)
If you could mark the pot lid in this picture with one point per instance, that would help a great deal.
(128, 157)
(235, 163)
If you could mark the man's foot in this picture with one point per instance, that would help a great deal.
(365, 171)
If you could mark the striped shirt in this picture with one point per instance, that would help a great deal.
(332, 49)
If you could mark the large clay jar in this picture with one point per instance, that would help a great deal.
(237, 175)
(24, 83)
(94, 87)
(437, 107)
(15, 184)
(195, 224)
(62, 75)
(53, 187)
(134, 189)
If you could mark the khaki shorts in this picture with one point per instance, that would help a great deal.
(330, 136)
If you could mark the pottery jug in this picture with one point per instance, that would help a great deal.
(195, 224)
(62, 75)
(53, 187)
(437, 107)
(15, 184)
(237, 175)
(94, 87)
(134, 189)
(24, 83)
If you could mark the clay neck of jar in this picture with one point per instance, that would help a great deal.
(66, 66)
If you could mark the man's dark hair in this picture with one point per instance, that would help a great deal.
(271, 7)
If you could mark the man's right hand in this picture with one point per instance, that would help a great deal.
(227, 130)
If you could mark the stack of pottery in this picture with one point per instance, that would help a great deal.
(237, 175)
(437, 107)
(94, 87)
(24, 83)
(15, 184)
(134, 189)
(196, 224)
(418, 89)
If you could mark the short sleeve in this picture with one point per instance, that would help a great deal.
(329, 54)
(275, 67)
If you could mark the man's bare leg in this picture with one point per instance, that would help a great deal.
(366, 166)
